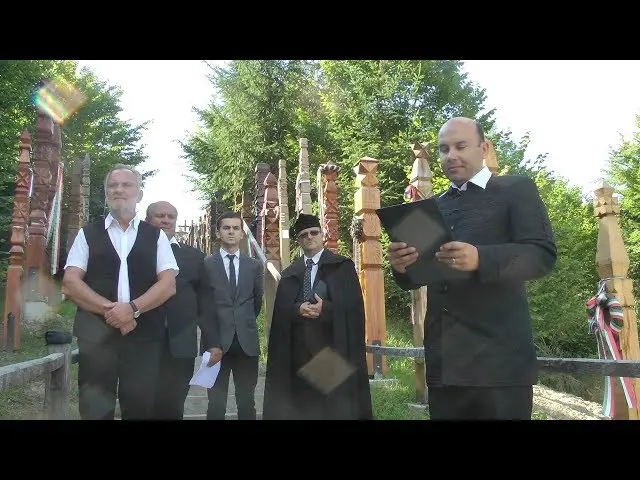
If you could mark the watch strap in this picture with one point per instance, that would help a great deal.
(134, 306)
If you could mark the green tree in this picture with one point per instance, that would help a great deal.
(256, 117)
(623, 172)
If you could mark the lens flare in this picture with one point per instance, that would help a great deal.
(59, 99)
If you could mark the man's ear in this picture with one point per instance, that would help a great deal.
(217, 233)
(140, 193)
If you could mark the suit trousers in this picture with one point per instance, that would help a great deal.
(245, 379)
(480, 403)
(173, 384)
(118, 368)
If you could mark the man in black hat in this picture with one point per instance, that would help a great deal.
(316, 363)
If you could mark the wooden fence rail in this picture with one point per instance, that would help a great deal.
(55, 367)
(591, 366)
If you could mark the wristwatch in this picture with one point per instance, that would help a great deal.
(136, 312)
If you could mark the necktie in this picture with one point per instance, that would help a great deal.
(306, 286)
(232, 275)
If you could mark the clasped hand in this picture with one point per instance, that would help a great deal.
(120, 315)
(456, 255)
(311, 310)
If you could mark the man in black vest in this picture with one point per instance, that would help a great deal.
(479, 351)
(118, 272)
(181, 319)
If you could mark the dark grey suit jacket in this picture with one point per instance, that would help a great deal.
(181, 310)
(224, 316)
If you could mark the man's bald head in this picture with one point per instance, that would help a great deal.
(470, 122)
(163, 215)
(462, 149)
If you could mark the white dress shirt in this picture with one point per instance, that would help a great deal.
(122, 242)
(236, 262)
(480, 179)
(314, 269)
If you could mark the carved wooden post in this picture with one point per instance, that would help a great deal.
(420, 181)
(491, 162)
(262, 169)
(328, 199)
(612, 263)
(303, 182)
(76, 208)
(283, 202)
(270, 244)
(247, 216)
(367, 200)
(14, 299)
(86, 186)
(44, 145)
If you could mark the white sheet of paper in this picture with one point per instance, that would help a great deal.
(206, 376)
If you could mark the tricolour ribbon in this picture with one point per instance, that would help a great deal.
(605, 317)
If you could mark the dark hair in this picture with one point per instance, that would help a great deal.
(228, 215)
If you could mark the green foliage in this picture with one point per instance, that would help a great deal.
(557, 301)
(258, 117)
(623, 172)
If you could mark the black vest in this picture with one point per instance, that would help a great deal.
(102, 274)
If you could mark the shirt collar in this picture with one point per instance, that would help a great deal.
(480, 179)
(109, 220)
(224, 253)
(173, 241)
(316, 257)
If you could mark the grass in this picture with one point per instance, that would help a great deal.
(26, 402)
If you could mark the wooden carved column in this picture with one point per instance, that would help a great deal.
(303, 181)
(14, 299)
(247, 216)
(283, 202)
(86, 186)
(76, 203)
(612, 264)
(329, 198)
(491, 161)
(366, 201)
(270, 237)
(422, 188)
(262, 169)
(37, 274)
(270, 245)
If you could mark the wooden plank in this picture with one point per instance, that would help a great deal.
(23, 372)
(589, 366)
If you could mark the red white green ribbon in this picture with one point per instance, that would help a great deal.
(605, 317)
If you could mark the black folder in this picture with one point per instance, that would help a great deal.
(420, 225)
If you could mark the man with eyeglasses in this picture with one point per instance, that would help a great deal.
(316, 360)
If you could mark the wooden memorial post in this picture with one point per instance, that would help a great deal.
(612, 263)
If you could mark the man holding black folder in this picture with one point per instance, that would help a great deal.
(316, 364)
(479, 351)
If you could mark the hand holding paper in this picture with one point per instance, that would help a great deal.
(206, 376)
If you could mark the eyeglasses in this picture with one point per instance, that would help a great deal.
(310, 233)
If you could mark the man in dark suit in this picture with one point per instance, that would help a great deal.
(231, 297)
(480, 356)
(180, 346)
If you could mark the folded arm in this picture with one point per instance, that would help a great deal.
(75, 289)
